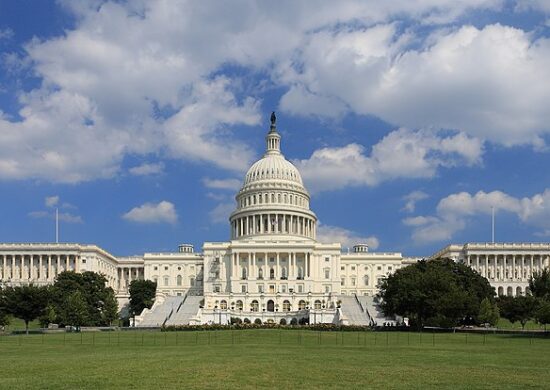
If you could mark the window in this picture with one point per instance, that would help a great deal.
(223, 305)
(166, 268)
(166, 280)
(260, 288)
(243, 273)
(283, 273)
(272, 289)
(83, 261)
(283, 288)
(342, 268)
(300, 288)
(366, 280)
(192, 281)
(260, 273)
(155, 268)
(389, 268)
(271, 273)
(327, 258)
(317, 304)
(379, 268)
(286, 305)
(254, 306)
(217, 288)
(179, 280)
(243, 288)
(239, 305)
(353, 281)
(301, 305)
(327, 288)
(179, 268)
(327, 273)
(353, 268)
(342, 281)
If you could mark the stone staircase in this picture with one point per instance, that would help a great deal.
(353, 312)
(160, 312)
(186, 311)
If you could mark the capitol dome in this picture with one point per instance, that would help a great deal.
(273, 199)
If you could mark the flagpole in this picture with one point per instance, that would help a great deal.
(56, 225)
(493, 224)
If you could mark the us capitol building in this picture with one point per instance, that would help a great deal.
(273, 268)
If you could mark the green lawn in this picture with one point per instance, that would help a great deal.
(273, 358)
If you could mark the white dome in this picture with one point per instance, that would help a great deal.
(273, 167)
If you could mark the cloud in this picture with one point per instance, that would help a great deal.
(334, 234)
(220, 213)
(412, 198)
(162, 212)
(146, 169)
(135, 78)
(6, 34)
(454, 211)
(51, 201)
(489, 82)
(402, 154)
(222, 184)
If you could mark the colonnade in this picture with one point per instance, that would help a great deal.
(514, 267)
(273, 223)
(127, 275)
(258, 265)
(31, 267)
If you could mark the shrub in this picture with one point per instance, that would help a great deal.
(294, 322)
(257, 321)
(246, 321)
(282, 322)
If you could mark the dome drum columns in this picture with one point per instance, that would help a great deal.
(273, 224)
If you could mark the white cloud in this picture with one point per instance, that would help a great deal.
(454, 211)
(162, 212)
(402, 153)
(334, 234)
(490, 83)
(412, 198)
(222, 184)
(107, 84)
(6, 33)
(51, 201)
(220, 213)
(146, 169)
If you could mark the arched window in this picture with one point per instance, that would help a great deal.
(317, 304)
(254, 306)
(301, 305)
(179, 280)
(366, 279)
(243, 273)
(271, 273)
(223, 305)
(500, 291)
(272, 198)
(518, 291)
(510, 291)
(239, 305)
(192, 281)
(260, 273)
(283, 273)
(300, 272)
(166, 280)
(286, 305)
(279, 198)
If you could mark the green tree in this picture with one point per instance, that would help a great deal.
(110, 308)
(4, 313)
(542, 313)
(437, 292)
(488, 312)
(49, 316)
(93, 289)
(75, 311)
(142, 295)
(26, 302)
(539, 284)
(517, 309)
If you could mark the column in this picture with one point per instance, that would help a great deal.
(277, 267)
(13, 273)
(531, 266)
(3, 268)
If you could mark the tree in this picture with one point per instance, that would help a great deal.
(142, 295)
(110, 308)
(542, 313)
(48, 317)
(26, 302)
(437, 292)
(488, 312)
(517, 309)
(4, 314)
(539, 284)
(75, 311)
(94, 291)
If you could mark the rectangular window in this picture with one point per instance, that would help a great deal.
(353, 268)
(327, 288)
(243, 288)
(353, 281)
(283, 288)
(217, 288)
(327, 259)
(342, 282)
(83, 261)
(342, 268)
(260, 288)
(300, 288)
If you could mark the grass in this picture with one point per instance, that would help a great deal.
(273, 358)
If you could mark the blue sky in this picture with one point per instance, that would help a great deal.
(409, 120)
